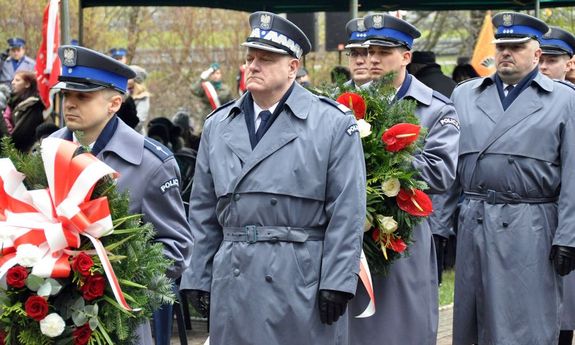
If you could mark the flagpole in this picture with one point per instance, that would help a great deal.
(65, 22)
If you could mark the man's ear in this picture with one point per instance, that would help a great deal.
(406, 57)
(115, 103)
(293, 68)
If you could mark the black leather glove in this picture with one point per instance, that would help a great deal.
(563, 258)
(332, 305)
(200, 300)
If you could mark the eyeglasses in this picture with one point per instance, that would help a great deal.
(357, 53)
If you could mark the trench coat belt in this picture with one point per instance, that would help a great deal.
(494, 197)
(256, 233)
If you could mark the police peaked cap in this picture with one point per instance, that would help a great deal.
(515, 27)
(558, 42)
(118, 52)
(356, 33)
(87, 70)
(389, 31)
(276, 34)
(16, 42)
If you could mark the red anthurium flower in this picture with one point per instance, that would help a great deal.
(397, 245)
(414, 202)
(400, 136)
(354, 102)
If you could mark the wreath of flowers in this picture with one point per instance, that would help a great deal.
(90, 296)
(396, 203)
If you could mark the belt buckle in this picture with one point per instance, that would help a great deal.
(251, 233)
(491, 194)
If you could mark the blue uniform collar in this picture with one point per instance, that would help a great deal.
(404, 87)
(105, 136)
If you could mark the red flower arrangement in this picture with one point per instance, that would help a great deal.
(396, 203)
(82, 335)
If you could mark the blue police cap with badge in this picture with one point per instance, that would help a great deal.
(16, 42)
(388, 31)
(356, 33)
(558, 42)
(276, 34)
(87, 70)
(515, 27)
(118, 53)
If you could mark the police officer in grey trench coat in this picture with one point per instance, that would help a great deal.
(407, 297)
(517, 172)
(557, 47)
(278, 217)
(92, 84)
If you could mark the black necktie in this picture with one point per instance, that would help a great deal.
(509, 88)
(265, 117)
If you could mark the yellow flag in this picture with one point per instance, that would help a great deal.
(483, 59)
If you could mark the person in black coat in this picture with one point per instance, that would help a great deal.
(426, 70)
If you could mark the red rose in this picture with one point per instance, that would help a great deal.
(375, 235)
(82, 335)
(94, 287)
(16, 276)
(354, 102)
(82, 264)
(36, 307)
(415, 202)
(400, 136)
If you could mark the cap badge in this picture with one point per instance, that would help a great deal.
(378, 22)
(265, 22)
(360, 25)
(69, 57)
(507, 19)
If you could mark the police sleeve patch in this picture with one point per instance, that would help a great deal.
(173, 183)
(352, 129)
(449, 121)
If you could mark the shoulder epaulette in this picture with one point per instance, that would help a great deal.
(467, 80)
(339, 106)
(568, 83)
(220, 108)
(159, 150)
(441, 97)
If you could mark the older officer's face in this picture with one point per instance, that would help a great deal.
(515, 60)
(384, 60)
(268, 72)
(90, 111)
(555, 66)
(359, 65)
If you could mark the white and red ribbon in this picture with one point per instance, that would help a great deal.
(212, 94)
(365, 277)
(54, 218)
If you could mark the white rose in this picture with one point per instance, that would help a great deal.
(388, 225)
(52, 325)
(391, 187)
(28, 255)
(364, 128)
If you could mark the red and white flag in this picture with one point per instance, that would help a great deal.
(47, 61)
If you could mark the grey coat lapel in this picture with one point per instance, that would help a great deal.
(524, 106)
(281, 132)
(489, 103)
(235, 133)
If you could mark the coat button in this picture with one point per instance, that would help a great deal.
(481, 156)
(273, 201)
(236, 272)
(269, 279)
(479, 220)
(237, 197)
(505, 224)
(510, 160)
